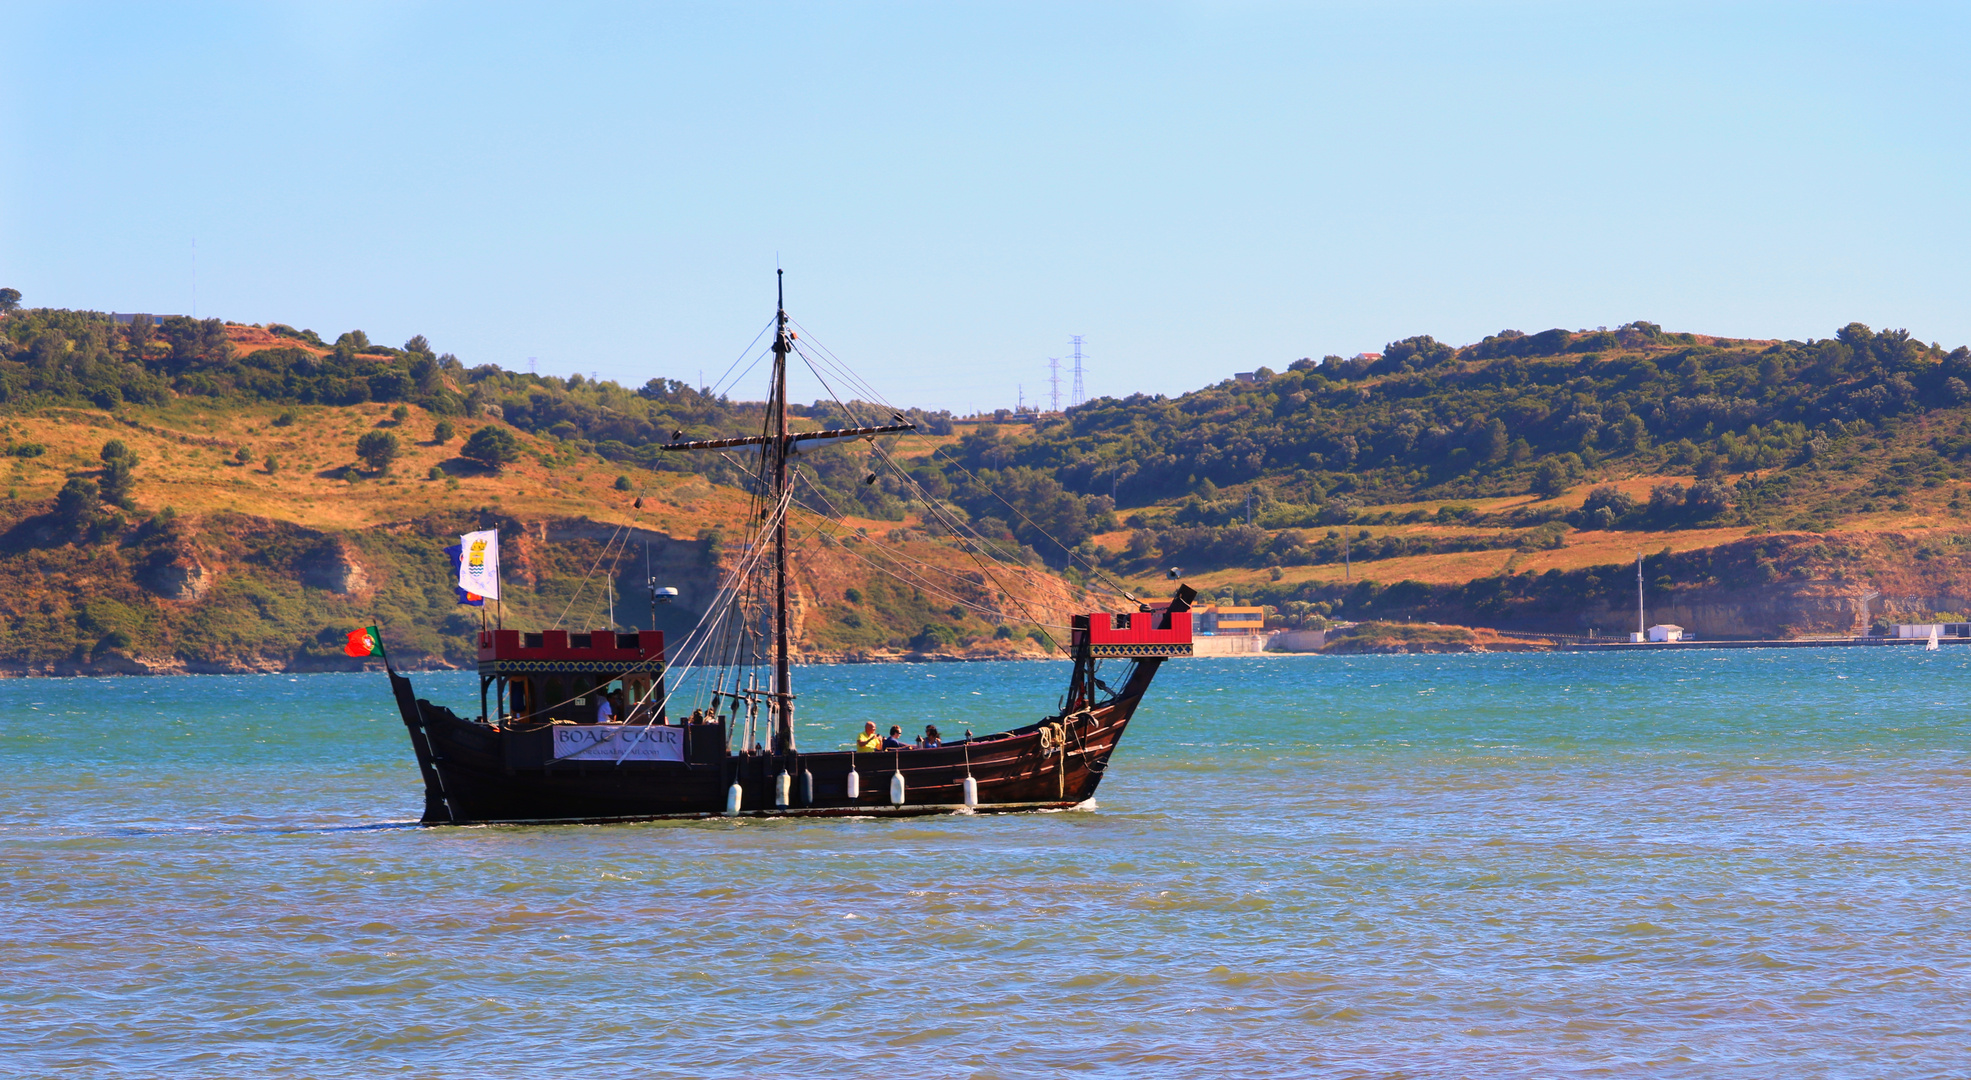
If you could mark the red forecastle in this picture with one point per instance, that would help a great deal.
(597, 646)
(1134, 633)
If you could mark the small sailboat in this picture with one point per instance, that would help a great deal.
(1931, 645)
(545, 749)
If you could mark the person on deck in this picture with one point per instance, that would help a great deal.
(869, 740)
(894, 740)
(605, 710)
(929, 738)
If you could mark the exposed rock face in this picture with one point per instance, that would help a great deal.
(1774, 611)
(115, 662)
(184, 577)
(518, 559)
(337, 569)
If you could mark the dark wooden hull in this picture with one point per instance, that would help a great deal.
(475, 773)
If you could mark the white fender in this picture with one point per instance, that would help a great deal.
(855, 784)
(733, 797)
(780, 786)
(896, 788)
(971, 792)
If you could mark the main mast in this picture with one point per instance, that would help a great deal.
(783, 675)
(778, 444)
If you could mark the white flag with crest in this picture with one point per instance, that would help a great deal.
(479, 563)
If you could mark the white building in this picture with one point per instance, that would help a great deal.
(1666, 632)
(1924, 630)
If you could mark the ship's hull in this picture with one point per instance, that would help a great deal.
(478, 774)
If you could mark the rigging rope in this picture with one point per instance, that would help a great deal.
(715, 611)
(739, 591)
(742, 355)
(931, 504)
(585, 578)
(842, 368)
(721, 607)
(998, 614)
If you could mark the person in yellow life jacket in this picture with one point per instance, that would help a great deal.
(869, 740)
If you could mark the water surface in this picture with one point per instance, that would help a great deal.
(1670, 864)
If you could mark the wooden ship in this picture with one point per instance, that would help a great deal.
(540, 750)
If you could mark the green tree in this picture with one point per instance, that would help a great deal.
(119, 473)
(78, 506)
(120, 481)
(492, 446)
(443, 433)
(1550, 479)
(1708, 498)
(1496, 443)
(377, 449)
(1635, 434)
(10, 300)
(934, 636)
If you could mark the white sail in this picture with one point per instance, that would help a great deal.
(1931, 645)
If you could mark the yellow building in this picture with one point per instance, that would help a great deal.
(1237, 620)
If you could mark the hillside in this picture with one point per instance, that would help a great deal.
(254, 536)
(1531, 464)
(1774, 487)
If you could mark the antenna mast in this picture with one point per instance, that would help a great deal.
(1079, 397)
(1642, 631)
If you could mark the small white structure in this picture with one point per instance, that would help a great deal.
(1919, 630)
(1635, 637)
(1666, 632)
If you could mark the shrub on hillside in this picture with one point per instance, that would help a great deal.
(492, 446)
(119, 473)
(78, 506)
(934, 636)
(377, 449)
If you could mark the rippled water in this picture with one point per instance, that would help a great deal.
(1673, 864)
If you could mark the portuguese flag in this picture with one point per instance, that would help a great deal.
(364, 642)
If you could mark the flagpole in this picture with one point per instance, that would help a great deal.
(377, 625)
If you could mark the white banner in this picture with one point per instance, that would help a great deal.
(479, 563)
(618, 742)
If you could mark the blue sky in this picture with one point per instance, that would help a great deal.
(954, 189)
